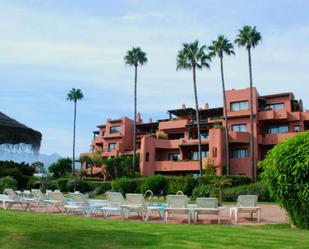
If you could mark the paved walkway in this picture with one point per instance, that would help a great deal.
(271, 214)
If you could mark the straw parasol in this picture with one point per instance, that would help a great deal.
(14, 135)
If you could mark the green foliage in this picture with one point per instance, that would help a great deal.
(61, 168)
(21, 172)
(201, 191)
(184, 184)
(286, 174)
(257, 188)
(39, 167)
(7, 182)
(157, 184)
(126, 185)
(235, 179)
(101, 188)
(210, 169)
(62, 184)
(119, 166)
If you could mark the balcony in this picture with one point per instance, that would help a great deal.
(239, 137)
(178, 165)
(273, 115)
(270, 139)
(113, 135)
(173, 124)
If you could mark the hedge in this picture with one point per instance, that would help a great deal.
(258, 188)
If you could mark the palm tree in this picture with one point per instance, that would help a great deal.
(249, 37)
(220, 47)
(135, 57)
(74, 95)
(192, 56)
(220, 183)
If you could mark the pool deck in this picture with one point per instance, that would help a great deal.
(271, 214)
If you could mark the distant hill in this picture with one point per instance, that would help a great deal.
(29, 157)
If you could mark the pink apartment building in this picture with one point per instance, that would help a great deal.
(276, 117)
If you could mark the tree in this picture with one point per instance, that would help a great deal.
(218, 48)
(88, 161)
(135, 57)
(39, 167)
(192, 57)
(74, 95)
(93, 159)
(249, 37)
(60, 168)
(220, 183)
(286, 174)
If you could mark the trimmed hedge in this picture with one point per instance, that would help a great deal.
(126, 185)
(258, 188)
(237, 180)
(157, 184)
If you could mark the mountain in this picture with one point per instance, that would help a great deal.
(29, 157)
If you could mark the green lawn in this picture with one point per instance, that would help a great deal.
(32, 230)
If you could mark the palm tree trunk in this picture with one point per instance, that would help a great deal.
(198, 122)
(226, 121)
(134, 129)
(251, 120)
(74, 131)
(91, 170)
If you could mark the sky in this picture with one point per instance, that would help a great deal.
(48, 47)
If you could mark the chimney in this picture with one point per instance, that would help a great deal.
(301, 105)
(183, 106)
(206, 106)
(138, 118)
(150, 120)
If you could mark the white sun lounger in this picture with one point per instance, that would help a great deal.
(12, 198)
(115, 201)
(246, 204)
(206, 206)
(177, 204)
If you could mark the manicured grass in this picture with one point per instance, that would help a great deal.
(32, 230)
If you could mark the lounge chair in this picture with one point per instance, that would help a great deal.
(39, 199)
(57, 200)
(177, 204)
(80, 202)
(134, 203)
(246, 204)
(206, 206)
(115, 201)
(13, 198)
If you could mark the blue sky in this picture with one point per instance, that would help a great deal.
(47, 47)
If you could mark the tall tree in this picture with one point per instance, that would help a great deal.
(218, 48)
(74, 95)
(192, 56)
(249, 37)
(135, 57)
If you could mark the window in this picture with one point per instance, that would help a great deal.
(195, 156)
(239, 153)
(204, 134)
(111, 146)
(274, 106)
(296, 128)
(174, 157)
(176, 136)
(239, 127)
(239, 106)
(114, 129)
(147, 157)
(278, 129)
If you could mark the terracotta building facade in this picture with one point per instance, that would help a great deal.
(169, 146)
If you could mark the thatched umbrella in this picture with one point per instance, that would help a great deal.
(14, 135)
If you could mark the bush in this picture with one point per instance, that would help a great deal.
(286, 174)
(157, 184)
(7, 182)
(125, 185)
(235, 179)
(102, 188)
(202, 190)
(62, 184)
(184, 184)
(258, 188)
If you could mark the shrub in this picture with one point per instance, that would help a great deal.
(202, 190)
(258, 188)
(62, 184)
(235, 179)
(102, 187)
(157, 184)
(286, 174)
(184, 184)
(125, 185)
(7, 182)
